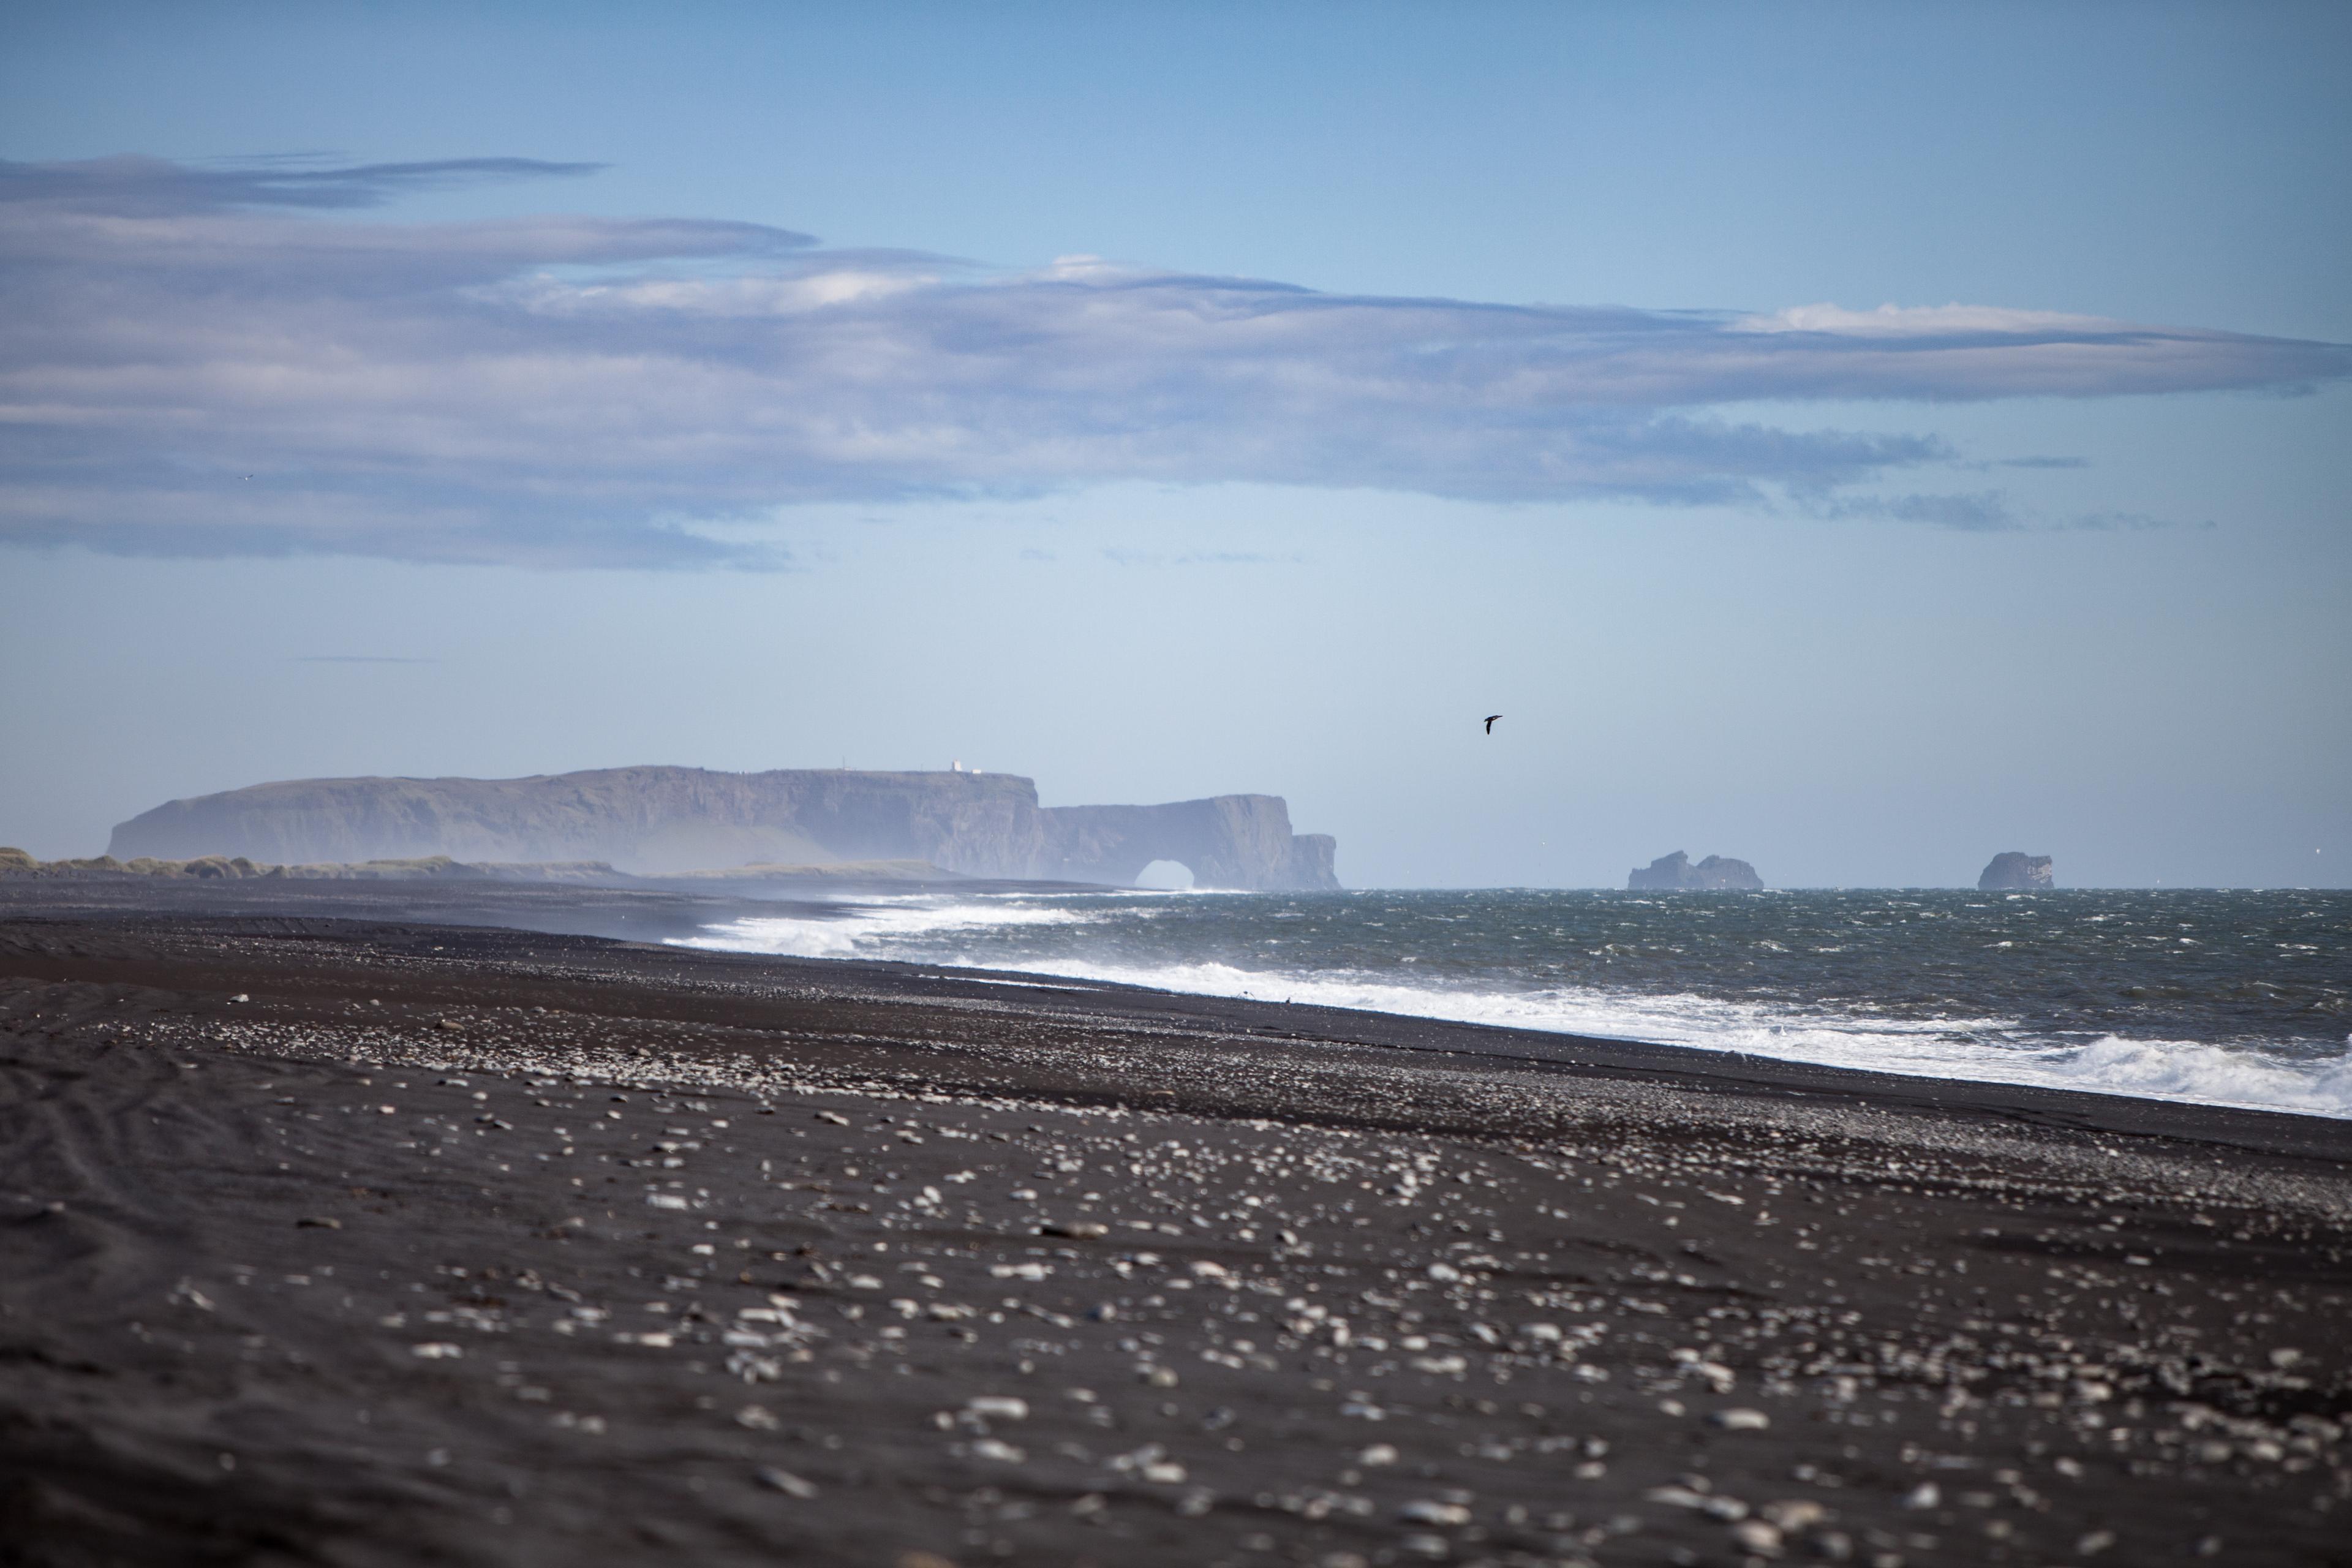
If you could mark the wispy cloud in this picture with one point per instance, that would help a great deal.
(1981, 511)
(227, 359)
(127, 186)
(1121, 556)
(1986, 512)
(2128, 522)
(357, 658)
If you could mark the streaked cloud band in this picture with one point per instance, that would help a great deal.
(210, 362)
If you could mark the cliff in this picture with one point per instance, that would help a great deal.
(1227, 841)
(656, 820)
(2016, 872)
(1675, 872)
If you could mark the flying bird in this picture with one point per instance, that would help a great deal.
(1490, 722)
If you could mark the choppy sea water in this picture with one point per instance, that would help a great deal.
(2225, 997)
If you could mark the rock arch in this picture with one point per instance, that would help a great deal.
(1226, 841)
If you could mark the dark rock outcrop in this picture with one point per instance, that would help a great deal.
(1674, 873)
(651, 820)
(2013, 871)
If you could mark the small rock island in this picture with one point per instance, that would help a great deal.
(1674, 873)
(2016, 872)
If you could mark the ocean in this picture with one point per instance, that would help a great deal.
(2225, 997)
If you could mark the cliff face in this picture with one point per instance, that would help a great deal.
(1675, 872)
(646, 820)
(651, 820)
(1314, 861)
(2016, 872)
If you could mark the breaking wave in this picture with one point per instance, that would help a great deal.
(872, 930)
(1470, 963)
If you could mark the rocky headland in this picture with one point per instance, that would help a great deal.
(1675, 873)
(2015, 872)
(655, 821)
(16, 862)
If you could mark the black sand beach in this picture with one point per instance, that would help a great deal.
(370, 1232)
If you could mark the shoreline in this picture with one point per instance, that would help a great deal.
(1405, 1030)
(1338, 1288)
(682, 916)
(674, 920)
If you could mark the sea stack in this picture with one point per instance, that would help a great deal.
(2016, 872)
(1674, 873)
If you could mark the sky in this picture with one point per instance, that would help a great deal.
(1855, 439)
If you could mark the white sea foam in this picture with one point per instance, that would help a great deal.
(1988, 1049)
(2209, 1075)
(864, 929)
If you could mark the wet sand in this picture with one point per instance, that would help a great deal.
(377, 1241)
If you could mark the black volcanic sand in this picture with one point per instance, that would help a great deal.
(372, 1243)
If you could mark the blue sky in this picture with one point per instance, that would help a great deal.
(1856, 439)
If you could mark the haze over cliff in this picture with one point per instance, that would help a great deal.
(651, 820)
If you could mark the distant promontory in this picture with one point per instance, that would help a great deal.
(1675, 873)
(2014, 871)
(656, 820)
